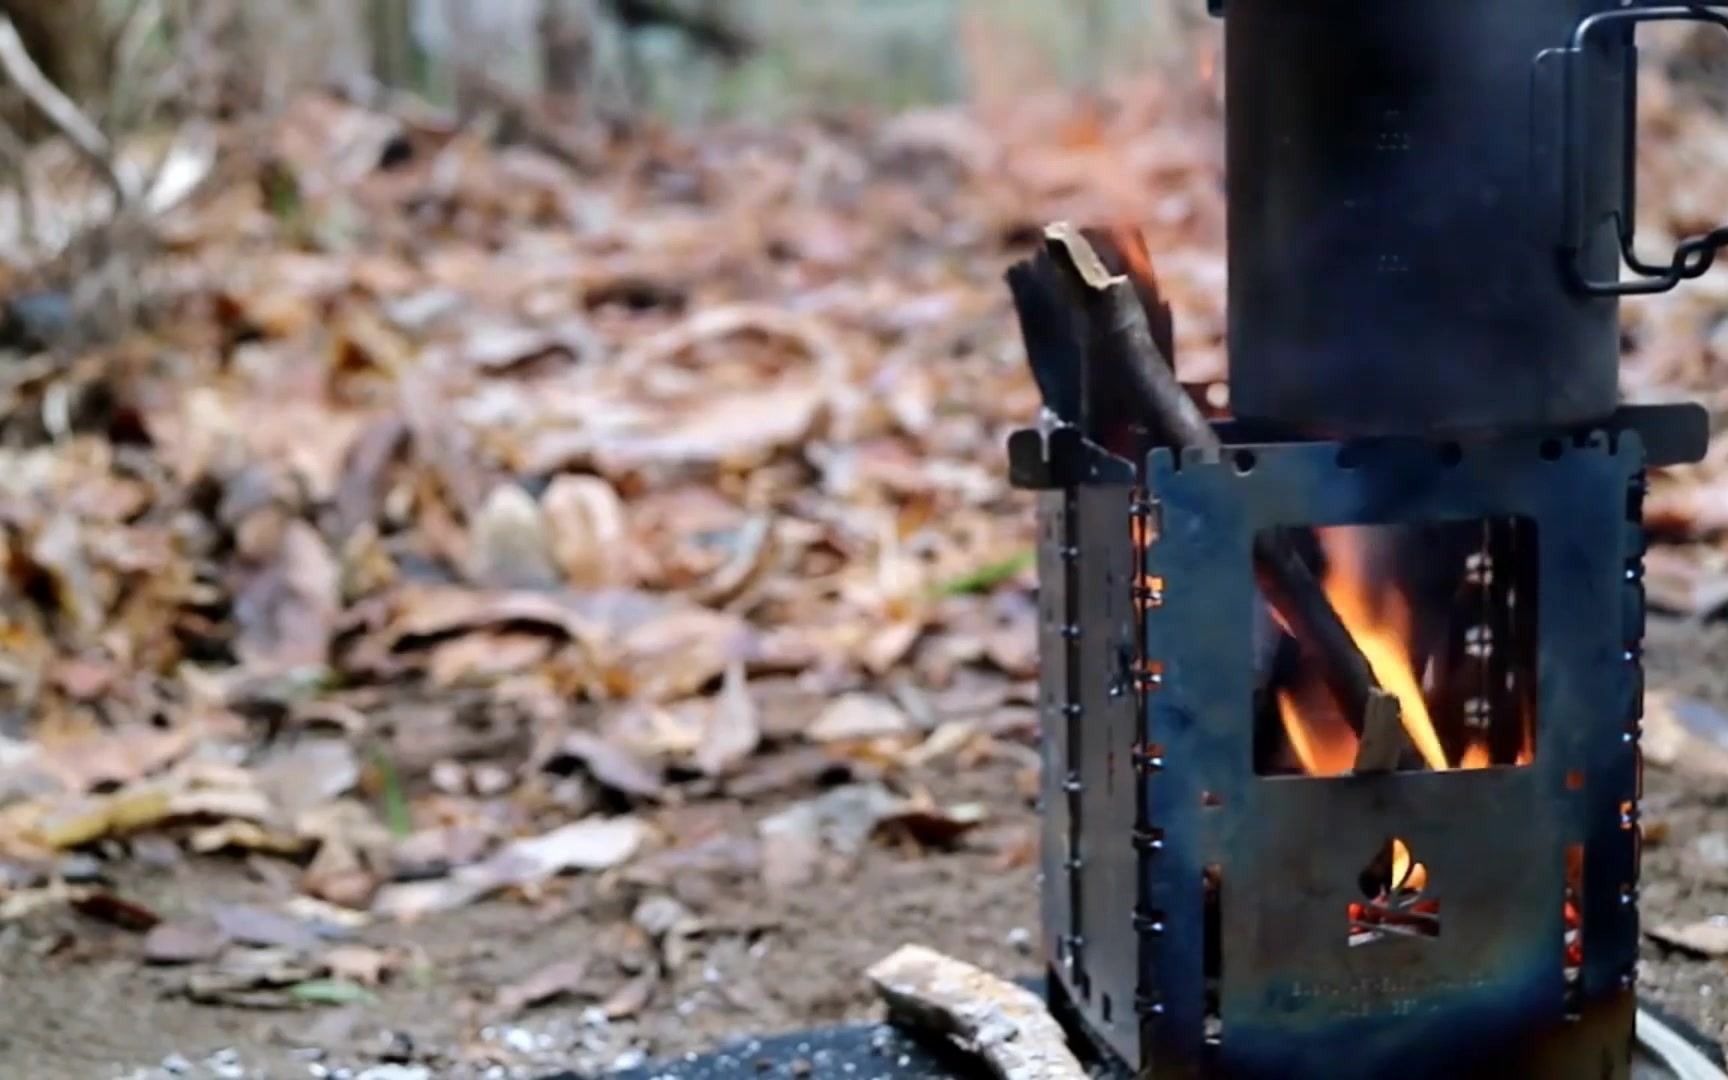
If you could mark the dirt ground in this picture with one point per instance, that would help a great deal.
(78, 1002)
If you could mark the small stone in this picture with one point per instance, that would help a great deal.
(629, 1059)
(225, 1064)
(79, 868)
(659, 914)
(1712, 849)
(398, 1048)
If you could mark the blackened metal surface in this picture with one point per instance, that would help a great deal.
(1487, 995)
(1087, 651)
(1058, 696)
(1397, 196)
(1061, 458)
(1671, 434)
(1106, 656)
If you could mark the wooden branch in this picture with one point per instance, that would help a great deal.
(1289, 586)
(1120, 341)
(59, 110)
(1006, 1026)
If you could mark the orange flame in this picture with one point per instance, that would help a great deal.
(1323, 742)
(1380, 621)
(1131, 242)
(1381, 631)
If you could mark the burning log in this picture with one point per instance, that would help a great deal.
(1104, 319)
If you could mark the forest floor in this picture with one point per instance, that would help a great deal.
(80, 1002)
(534, 607)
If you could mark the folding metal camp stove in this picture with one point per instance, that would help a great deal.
(1431, 224)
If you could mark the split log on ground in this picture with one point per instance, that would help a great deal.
(1118, 338)
(1006, 1026)
(1671, 1049)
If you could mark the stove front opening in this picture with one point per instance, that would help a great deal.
(1445, 615)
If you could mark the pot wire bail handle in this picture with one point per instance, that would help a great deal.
(1694, 256)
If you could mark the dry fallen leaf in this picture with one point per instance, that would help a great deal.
(614, 765)
(249, 924)
(308, 773)
(1707, 938)
(116, 910)
(586, 521)
(594, 844)
(287, 610)
(933, 826)
(1685, 734)
(359, 964)
(632, 997)
(859, 716)
(678, 653)
(189, 942)
(553, 981)
(84, 821)
(508, 543)
(799, 841)
(730, 733)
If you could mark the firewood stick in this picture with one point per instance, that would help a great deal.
(1006, 1026)
(22, 71)
(1120, 333)
(1121, 336)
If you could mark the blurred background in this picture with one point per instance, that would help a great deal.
(505, 552)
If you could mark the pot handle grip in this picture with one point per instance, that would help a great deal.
(1695, 255)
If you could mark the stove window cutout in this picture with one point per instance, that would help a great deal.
(1396, 902)
(1443, 613)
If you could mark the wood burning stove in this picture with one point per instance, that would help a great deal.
(1341, 695)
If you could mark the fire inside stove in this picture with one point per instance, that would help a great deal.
(1445, 616)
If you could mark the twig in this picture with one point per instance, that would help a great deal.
(60, 110)
(1006, 1026)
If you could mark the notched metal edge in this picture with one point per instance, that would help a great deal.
(1061, 458)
